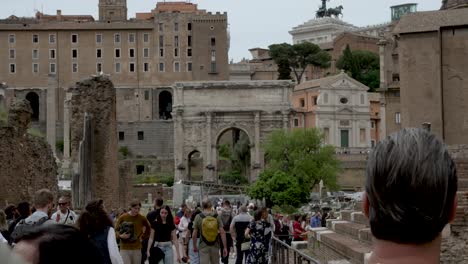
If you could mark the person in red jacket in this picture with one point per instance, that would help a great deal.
(298, 231)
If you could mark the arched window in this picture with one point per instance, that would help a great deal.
(165, 105)
(33, 99)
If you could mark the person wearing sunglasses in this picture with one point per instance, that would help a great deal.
(64, 215)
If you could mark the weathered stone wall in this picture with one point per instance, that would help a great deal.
(97, 97)
(27, 162)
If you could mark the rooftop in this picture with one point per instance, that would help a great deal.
(431, 21)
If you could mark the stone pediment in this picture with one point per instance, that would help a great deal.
(345, 110)
(348, 83)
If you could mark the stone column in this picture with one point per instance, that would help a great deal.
(180, 164)
(208, 160)
(66, 127)
(257, 163)
(285, 120)
(51, 112)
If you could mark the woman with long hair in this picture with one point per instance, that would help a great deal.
(258, 240)
(4, 226)
(95, 223)
(163, 234)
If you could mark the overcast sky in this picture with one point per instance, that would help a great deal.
(252, 23)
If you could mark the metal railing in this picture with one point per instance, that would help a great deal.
(283, 253)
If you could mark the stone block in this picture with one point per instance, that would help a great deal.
(360, 218)
(349, 248)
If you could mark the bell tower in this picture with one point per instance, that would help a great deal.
(112, 10)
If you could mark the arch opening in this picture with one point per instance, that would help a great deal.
(233, 156)
(33, 99)
(165, 105)
(195, 166)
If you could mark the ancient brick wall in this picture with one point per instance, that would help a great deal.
(97, 97)
(27, 163)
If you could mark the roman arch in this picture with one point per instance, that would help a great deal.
(203, 111)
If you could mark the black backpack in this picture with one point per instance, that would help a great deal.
(23, 228)
(226, 218)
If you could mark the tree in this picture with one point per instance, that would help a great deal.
(296, 162)
(297, 57)
(362, 65)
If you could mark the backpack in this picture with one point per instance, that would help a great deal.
(226, 218)
(23, 228)
(209, 229)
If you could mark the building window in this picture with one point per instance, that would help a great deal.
(176, 26)
(372, 143)
(74, 53)
(213, 55)
(141, 135)
(51, 38)
(35, 38)
(52, 68)
(131, 38)
(98, 67)
(117, 67)
(213, 42)
(176, 41)
(296, 122)
(213, 67)
(131, 67)
(189, 66)
(362, 99)
(98, 53)
(146, 67)
(74, 38)
(372, 124)
(117, 38)
(146, 37)
(35, 54)
(131, 53)
(12, 68)
(12, 54)
(362, 135)
(161, 66)
(161, 53)
(189, 26)
(35, 68)
(161, 27)
(325, 98)
(147, 95)
(176, 67)
(397, 118)
(343, 100)
(121, 136)
(189, 41)
(74, 67)
(98, 38)
(161, 41)
(176, 52)
(11, 38)
(146, 53)
(189, 52)
(302, 102)
(117, 53)
(52, 54)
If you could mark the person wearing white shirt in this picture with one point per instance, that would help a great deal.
(64, 215)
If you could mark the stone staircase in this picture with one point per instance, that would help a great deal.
(347, 240)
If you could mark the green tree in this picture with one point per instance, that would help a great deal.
(297, 57)
(362, 65)
(296, 162)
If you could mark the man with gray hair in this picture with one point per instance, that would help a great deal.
(410, 196)
(238, 225)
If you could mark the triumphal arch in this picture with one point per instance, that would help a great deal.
(204, 111)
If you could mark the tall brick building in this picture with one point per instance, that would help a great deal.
(175, 41)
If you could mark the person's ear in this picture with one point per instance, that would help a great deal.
(365, 204)
(453, 210)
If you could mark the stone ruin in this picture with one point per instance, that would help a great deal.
(27, 163)
(93, 142)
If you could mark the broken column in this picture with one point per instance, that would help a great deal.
(93, 142)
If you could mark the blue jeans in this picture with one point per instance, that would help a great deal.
(194, 257)
(168, 254)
